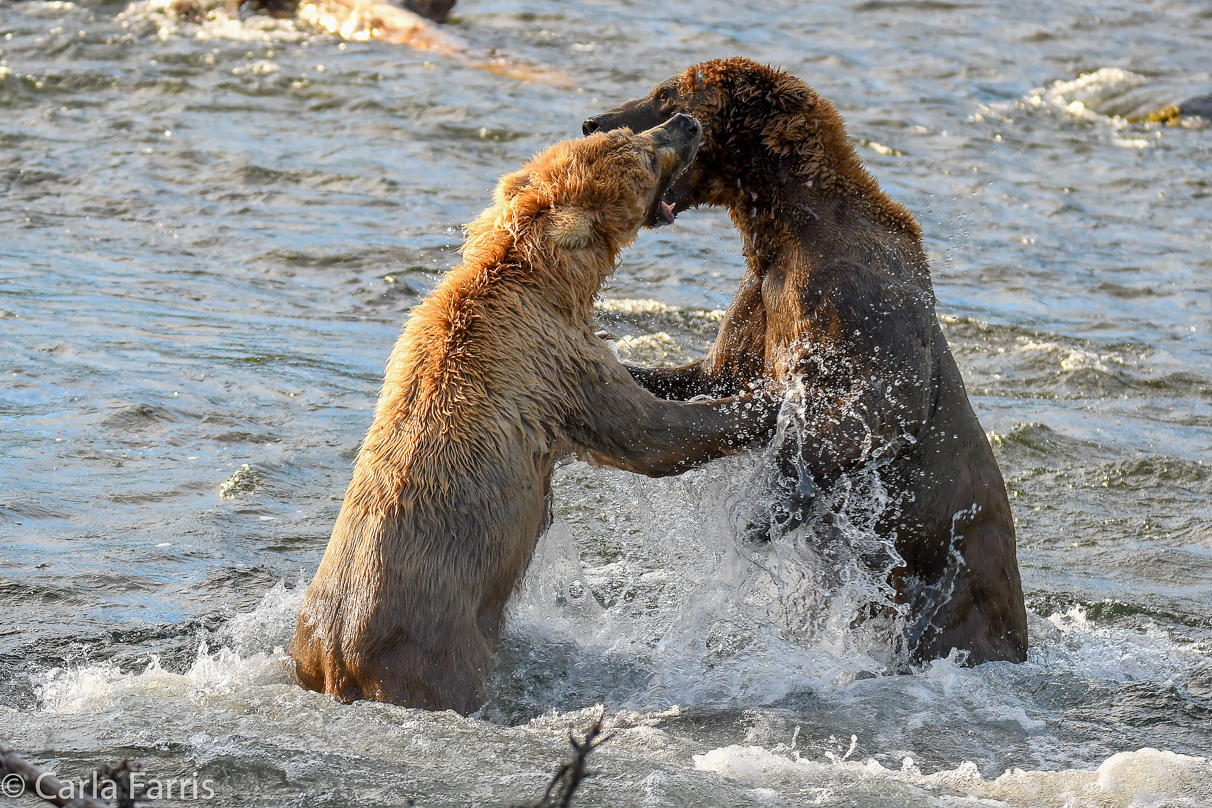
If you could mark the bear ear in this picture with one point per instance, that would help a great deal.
(510, 186)
(571, 228)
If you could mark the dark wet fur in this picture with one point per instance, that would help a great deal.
(838, 295)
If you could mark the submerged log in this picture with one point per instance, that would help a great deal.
(435, 10)
(400, 22)
(386, 21)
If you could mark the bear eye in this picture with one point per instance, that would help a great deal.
(664, 95)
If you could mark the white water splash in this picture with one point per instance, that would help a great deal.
(213, 19)
(1146, 777)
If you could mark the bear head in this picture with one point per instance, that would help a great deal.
(592, 193)
(765, 133)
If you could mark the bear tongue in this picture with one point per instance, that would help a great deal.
(666, 212)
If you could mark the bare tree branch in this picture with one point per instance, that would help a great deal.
(570, 775)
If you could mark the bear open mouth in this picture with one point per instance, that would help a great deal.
(675, 199)
(665, 207)
(676, 142)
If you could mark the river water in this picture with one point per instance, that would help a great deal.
(212, 234)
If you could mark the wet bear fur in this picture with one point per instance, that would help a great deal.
(496, 376)
(837, 297)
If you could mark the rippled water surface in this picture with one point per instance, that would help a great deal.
(211, 235)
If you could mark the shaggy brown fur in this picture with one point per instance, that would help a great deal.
(496, 376)
(838, 296)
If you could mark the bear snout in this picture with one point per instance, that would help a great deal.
(638, 116)
(679, 135)
(686, 123)
(602, 122)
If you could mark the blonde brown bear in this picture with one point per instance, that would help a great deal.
(496, 376)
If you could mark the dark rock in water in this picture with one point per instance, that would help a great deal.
(435, 10)
(1173, 114)
(1138, 99)
(275, 8)
(1200, 105)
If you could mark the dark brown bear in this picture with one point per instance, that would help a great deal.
(837, 296)
(496, 376)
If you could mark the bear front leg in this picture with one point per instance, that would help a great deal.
(674, 384)
(622, 425)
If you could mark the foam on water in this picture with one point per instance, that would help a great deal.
(1112, 95)
(1090, 91)
(215, 19)
(1071, 358)
(556, 599)
(1146, 777)
(648, 306)
(238, 703)
(250, 655)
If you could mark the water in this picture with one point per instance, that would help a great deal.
(213, 233)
